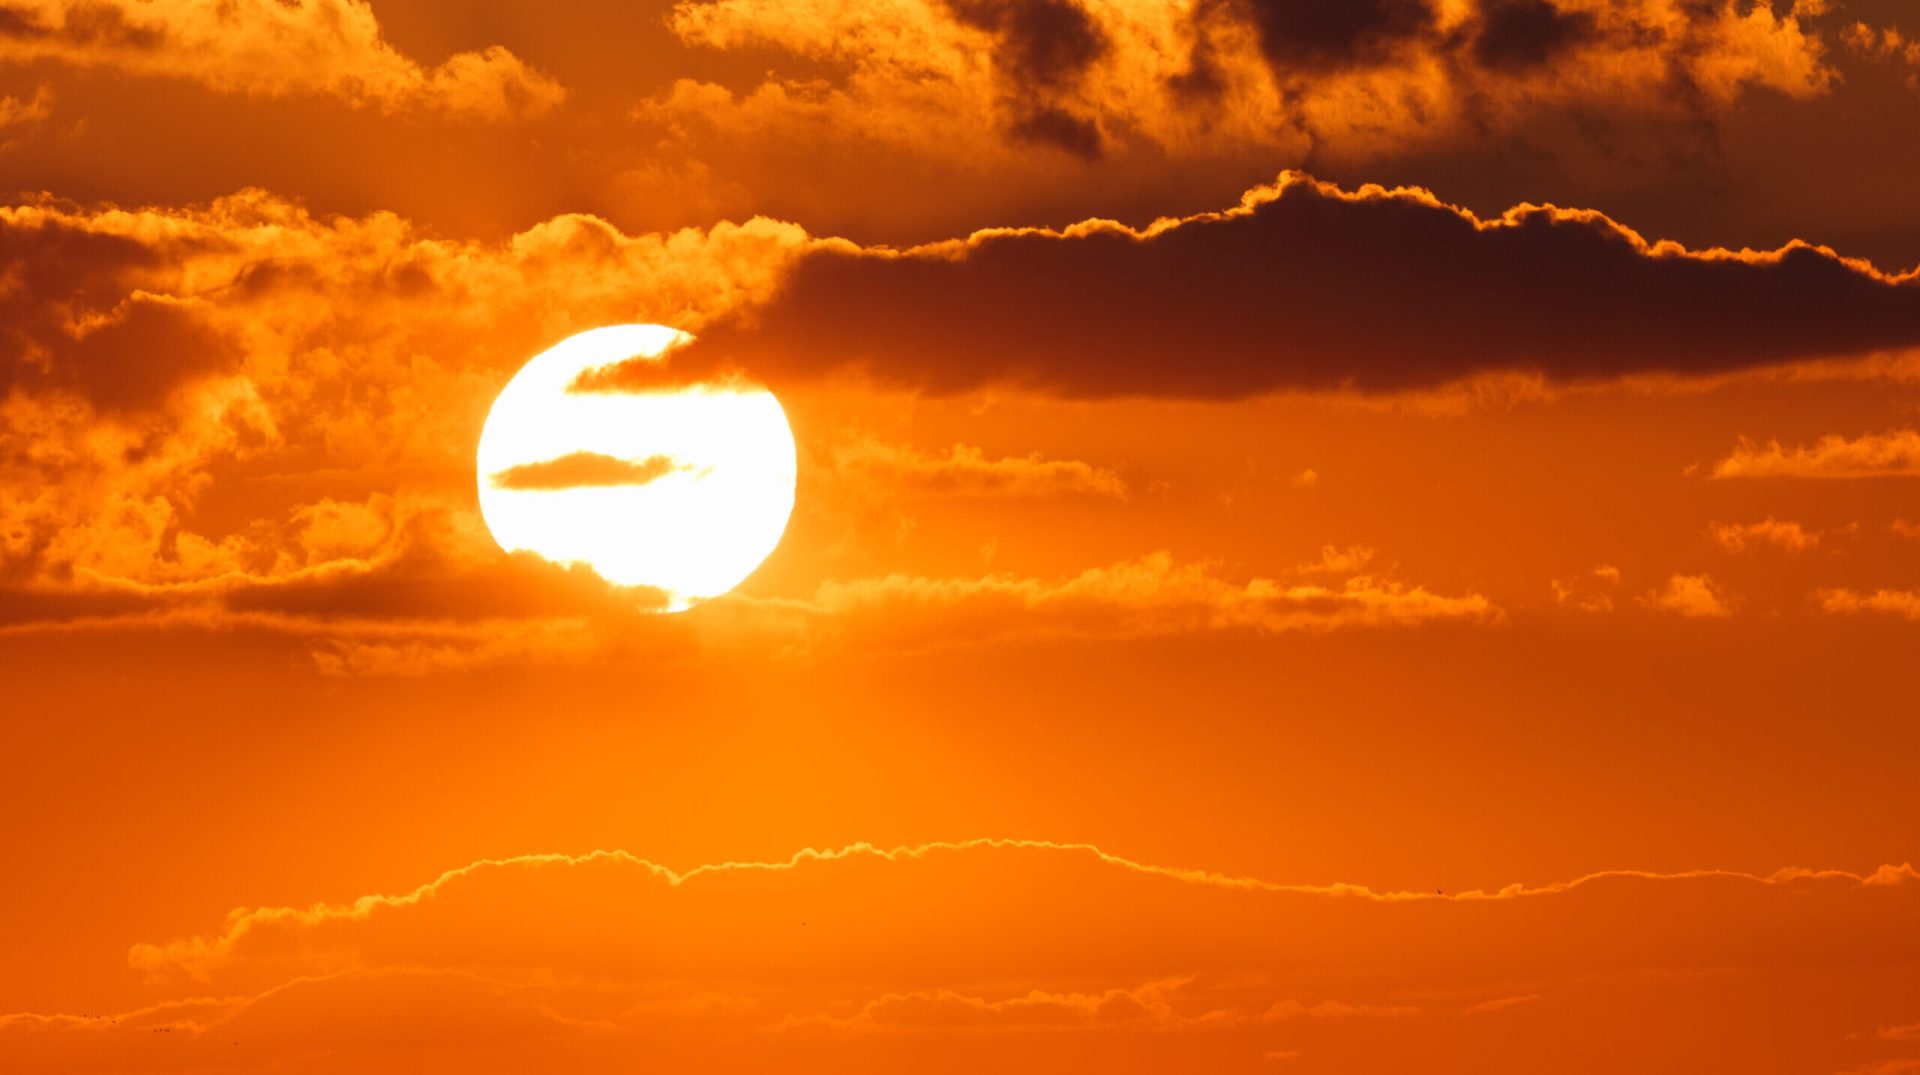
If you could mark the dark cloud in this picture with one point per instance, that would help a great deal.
(1513, 34)
(578, 470)
(82, 24)
(1060, 129)
(1312, 288)
(77, 319)
(1050, 42)
(1298, 36)
(1041, 50)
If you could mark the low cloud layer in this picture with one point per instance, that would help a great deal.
(724, 964)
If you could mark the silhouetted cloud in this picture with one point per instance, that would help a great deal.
(1300, 36)
(585, 469)
(1527, 33)
(1306, 286)
(1041, 48)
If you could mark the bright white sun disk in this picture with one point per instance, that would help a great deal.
(711, 479)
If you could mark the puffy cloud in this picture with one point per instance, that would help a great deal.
(1874, 455)
(272, 48)
(1786, 535)
(1307, 286)
(1693, 596)
(1902, 603)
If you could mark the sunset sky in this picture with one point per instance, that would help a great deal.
(1374, 536)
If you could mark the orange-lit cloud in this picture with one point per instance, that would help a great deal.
(612, 950)
(19, 112)
(967, 470)
(1895, 453)
(1904, 604)
(1782, 534)
(270, 48)
(148, 351)
(1150, 596)
(1088, 80)
(1310, 583)
(1591, 592)
(1693, 596)
(1886, 44)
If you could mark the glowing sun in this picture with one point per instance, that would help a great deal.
(683, 489)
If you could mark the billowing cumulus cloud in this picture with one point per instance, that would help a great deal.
(1224, 77)
(1307, 286)
(272, 48)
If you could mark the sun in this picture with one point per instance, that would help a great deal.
(681, 489)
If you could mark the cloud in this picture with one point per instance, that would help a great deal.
(616, 958)
(968, 471)
(1041, 49)
(1885, 44)
(582, 469)
(1591, 592)
(358, 927)
(1784, 535)
(1902, 603)
(153, 360)
(415, 603)
(948, 1010)
(1503, 1003)
(163, 366)
(24, 112)
(1874, 455)
(272, 48)
(1305, 286)
(1154, 595)
(984, 83)
(1692, 596)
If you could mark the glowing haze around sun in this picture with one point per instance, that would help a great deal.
(680, 489)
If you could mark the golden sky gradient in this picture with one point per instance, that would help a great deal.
(1354, 537)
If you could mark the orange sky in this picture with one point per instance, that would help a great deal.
(1328, 538)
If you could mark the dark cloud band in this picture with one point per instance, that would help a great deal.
(1307, 287)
